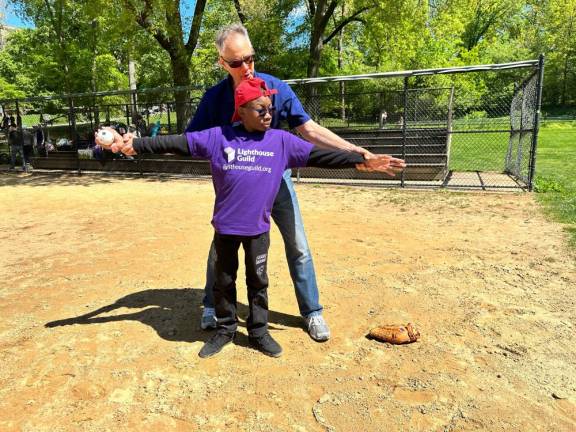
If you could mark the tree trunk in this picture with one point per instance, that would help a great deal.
(564, 81)
(181, 77)
(340, 64)
(563, 97)
(312, 103)
(315, 53)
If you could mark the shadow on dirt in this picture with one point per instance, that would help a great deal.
(173, 313)
(38, 179)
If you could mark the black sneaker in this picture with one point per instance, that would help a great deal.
(266, 345)
(215, 344)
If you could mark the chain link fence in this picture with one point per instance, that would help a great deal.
(452, 131)
(62, 129)
(522, 131)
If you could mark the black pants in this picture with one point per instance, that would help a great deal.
(256, 253)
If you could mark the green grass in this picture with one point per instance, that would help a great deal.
(556, 173)
(555, 181)
(478, 152)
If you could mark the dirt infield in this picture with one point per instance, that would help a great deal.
(100, 297)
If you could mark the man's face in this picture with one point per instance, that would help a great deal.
(256, 115)
(237, 48)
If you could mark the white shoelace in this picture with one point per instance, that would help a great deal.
(315, 320)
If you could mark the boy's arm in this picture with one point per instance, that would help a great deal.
(322, 158)
(176, 144)
(341, 159)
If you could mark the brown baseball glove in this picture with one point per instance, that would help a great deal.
(395, 334)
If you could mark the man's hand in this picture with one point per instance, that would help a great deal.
(381, 163)
(365, 153)
(121, 143)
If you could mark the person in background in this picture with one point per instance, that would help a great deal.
(16, 147)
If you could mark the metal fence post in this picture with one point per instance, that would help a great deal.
(449, 130)
(134, 101)
(404, 121)
(20, 136)
(73, 132)
(536, 127)
(521, 132)
(72, 121)
(96, 113)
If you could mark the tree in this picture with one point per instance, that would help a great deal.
(320, 13)
(486, 16)
(50, 17)
(24, 64)
(163, 21)
(9, 90)
(59, 53)
(273, 29)
(558, 20)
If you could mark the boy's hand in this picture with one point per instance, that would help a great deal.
(382, 163)
(127, 148)
(120, 144)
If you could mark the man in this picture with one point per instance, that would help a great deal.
(216, 108)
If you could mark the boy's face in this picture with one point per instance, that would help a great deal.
(256, 115)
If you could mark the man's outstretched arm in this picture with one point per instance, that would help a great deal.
(326, 139)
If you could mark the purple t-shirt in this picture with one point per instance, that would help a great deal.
(247, 169)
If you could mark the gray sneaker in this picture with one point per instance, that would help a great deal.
(317, 328)
(215, 345)
(208, 320)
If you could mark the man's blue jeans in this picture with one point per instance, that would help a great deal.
(286, 215)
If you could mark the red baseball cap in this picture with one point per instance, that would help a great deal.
(247, 91)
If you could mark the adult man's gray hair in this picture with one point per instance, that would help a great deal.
(224, 32)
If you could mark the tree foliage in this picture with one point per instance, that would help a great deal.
(79, 46)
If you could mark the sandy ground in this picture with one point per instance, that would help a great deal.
(100, 299)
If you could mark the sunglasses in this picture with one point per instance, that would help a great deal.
(263, 111)
(234, 64)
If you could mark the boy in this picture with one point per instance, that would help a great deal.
(247, 161)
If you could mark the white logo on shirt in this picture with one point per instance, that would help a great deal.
(245, 155)
(230, 154)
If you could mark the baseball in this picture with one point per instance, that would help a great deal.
(105, 136)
